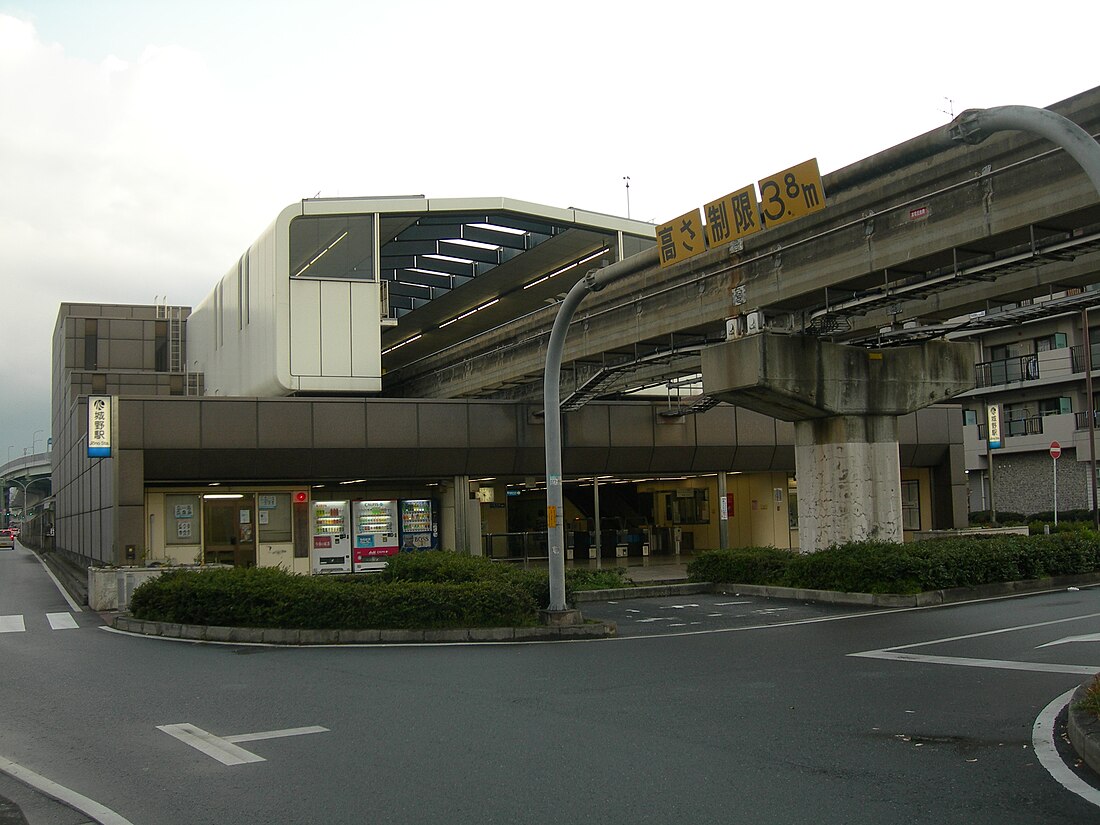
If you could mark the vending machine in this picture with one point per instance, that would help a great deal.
(419, 525)
(331, 551)
(376, 534)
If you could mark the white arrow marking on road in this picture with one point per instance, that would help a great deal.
(1090, 637)
(222, 747)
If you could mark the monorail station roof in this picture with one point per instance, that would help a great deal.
(445, 260)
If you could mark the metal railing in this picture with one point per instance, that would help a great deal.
(518, 548)
(1081, 420)
(1032, 425)
(1078, 357)
(1008, 370)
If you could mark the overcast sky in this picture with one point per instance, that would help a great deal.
(144, 144)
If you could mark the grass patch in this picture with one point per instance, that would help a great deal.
(1090, 703)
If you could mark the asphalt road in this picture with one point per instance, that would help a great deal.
(707, 709)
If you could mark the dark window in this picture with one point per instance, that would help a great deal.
(160, 338)
(91, 344)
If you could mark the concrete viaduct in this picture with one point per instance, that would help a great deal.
(917, 243)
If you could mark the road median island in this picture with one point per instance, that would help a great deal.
(1083, 723)
(301, 638)
(420, 597)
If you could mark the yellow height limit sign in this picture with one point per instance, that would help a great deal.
(792, 193)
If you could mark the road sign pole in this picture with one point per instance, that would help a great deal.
(1055, 454)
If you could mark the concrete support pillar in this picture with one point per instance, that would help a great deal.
(844, 402)
(849, 480)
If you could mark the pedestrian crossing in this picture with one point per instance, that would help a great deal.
(56, 621)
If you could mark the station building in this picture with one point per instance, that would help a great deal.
(258, 427)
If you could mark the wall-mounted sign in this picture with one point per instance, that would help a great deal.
(99, 426)
(993, 419)
(784, 196)
(681, 239)
(732, 217)
(792, 193)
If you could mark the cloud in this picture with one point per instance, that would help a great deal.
(115, 189)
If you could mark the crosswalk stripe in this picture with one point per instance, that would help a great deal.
(12, 624)
(61, 621)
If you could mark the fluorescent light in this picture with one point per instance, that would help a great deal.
(398, 346)
(223, 495)
(568, 267)
(511, 230)
(492, 247)
(450, 258)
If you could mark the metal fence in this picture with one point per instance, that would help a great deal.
(518, 548)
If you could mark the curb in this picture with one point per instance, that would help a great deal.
(1084, 731)
(883, 600)
(284, 636)
(642, 592)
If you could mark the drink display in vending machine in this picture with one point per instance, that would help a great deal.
(376, 535)
(419, 525)
(331, 551)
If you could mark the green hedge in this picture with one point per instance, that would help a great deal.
(271, 597)
(416, 590)
(882, 567)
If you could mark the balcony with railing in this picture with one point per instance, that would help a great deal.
(1078, 357)
(1008, 370)
(1025, 434)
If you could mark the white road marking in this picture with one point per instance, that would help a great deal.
(72, 605)
(1042, 740)
(962, 661)
(274, 734)
(62, 621)
(676, 606)
(999, 664)
(656, 619)
(222, 748)
(1091, 637)
(99, 813)
(725, 604)
(12, 624)
(213, 746)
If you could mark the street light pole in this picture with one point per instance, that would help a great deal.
(593, 281)
(34, 439)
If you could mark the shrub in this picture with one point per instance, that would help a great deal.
(271, 597)
(883, 567)
(745, 565)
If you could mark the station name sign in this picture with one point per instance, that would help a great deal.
(784, 196)
(99, 426)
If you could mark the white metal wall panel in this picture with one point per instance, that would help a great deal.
(305, 327)
(366, 331)
(336, 329)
